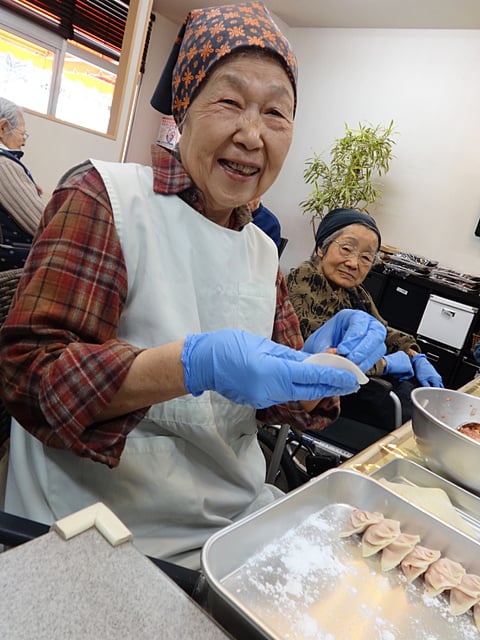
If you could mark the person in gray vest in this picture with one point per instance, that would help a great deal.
(20, 203)
(152, 327)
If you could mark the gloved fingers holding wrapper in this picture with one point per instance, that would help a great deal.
(355, 334)
(249, 369)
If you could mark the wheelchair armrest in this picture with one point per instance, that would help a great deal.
(381, 382)
(15, 530)
(388, 387)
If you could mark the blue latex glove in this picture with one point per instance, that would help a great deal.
(425, 372)
(354, 333)
(399, 365)
(476, 351)
(250, 369)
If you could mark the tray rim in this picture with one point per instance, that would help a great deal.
(225, 531)
(444, 483)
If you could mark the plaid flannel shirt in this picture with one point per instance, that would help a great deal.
(61, 359)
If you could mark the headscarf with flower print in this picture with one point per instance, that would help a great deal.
(206, 37)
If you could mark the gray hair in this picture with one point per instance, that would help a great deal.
(9, 110)
(325, 244)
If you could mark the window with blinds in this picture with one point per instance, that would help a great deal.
(60, 57)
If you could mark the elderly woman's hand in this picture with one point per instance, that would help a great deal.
(355, 334)
(250, 369)
(425, 372)
(398, 364)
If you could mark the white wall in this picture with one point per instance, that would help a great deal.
(146, 121)
(427, 81)
(53, 148)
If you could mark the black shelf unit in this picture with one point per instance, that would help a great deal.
(401, 299)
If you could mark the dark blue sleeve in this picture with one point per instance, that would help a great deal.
(476, 351)
(268, 222)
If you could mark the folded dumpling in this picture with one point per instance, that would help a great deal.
(360, 520)
(443, 574)
(377, 536)
(418, 561)
(466, 594)
(476, 614)
(396, 551)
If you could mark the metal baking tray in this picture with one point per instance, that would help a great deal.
(449, 273)
(456, 284)
(284, 572)
(402, 268)
(405, 471)
(404, 260)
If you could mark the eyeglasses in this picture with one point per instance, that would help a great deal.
(347, 251)
(25, 134)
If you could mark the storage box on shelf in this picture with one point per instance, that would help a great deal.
(446, 321)
(443, 334)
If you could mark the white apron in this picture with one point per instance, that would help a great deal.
(193, 465)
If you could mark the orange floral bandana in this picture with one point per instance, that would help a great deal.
(208, 35)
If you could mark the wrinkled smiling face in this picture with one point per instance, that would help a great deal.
(347, 272)
(237, 132)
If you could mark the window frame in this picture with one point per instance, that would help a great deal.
(95, 24)
(32, 31)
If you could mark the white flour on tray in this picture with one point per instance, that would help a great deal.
(310, 584)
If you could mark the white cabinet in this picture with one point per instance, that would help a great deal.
(446, 321)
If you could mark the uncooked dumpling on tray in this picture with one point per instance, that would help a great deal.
(398, 548)
(418, 561)
(378, 536)
(360, 520)
(466, 594)
(476, 614)
(443, 574)
(395, 552)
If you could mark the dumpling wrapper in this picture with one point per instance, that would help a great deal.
(432, 500)
(377, 536)
(340, 362)
(443, 574)
(395, 552)
(465, 595)
(360, 520)
(418, 561)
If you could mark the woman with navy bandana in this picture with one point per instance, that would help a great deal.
(152, 326)
(20, 203)
(346, 245)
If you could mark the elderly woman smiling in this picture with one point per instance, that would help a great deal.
(152, 325)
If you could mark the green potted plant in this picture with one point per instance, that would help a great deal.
(356, 161)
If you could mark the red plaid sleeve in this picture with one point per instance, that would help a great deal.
(286, 330)
(61, 360)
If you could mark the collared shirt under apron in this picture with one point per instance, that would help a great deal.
(193, 465)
